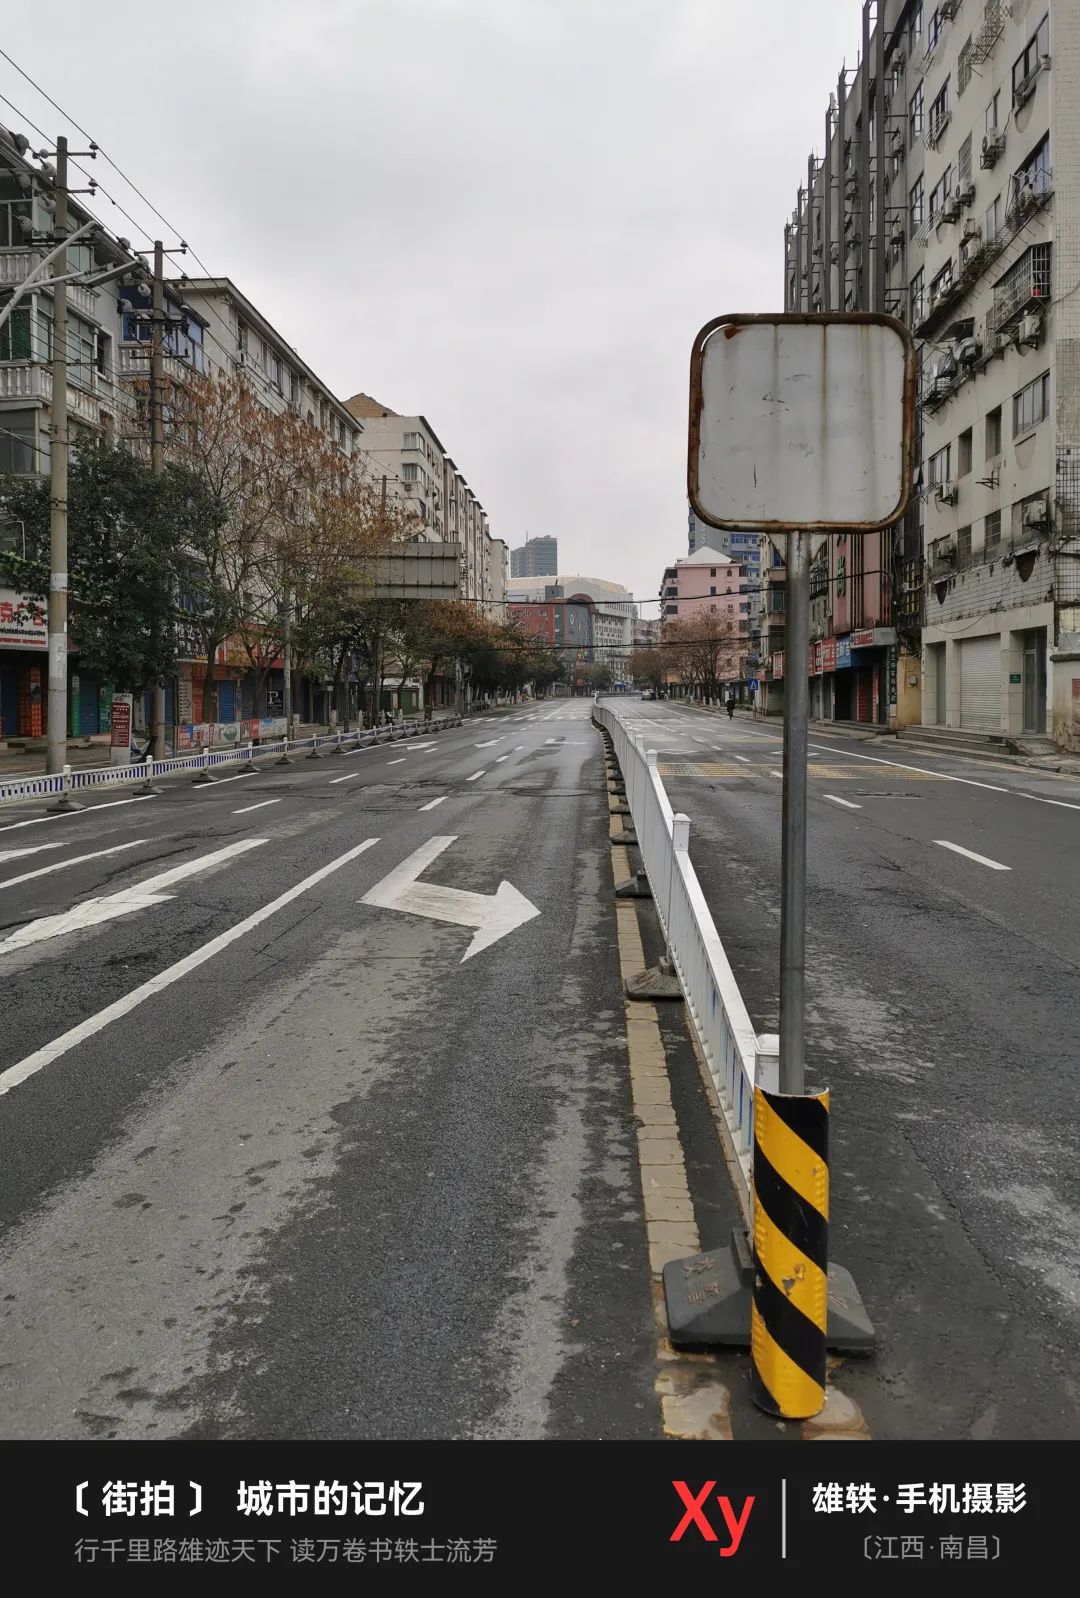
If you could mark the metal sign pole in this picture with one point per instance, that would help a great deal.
(793, 867)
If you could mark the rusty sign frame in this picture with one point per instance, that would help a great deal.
(731, 325)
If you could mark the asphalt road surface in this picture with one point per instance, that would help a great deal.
(944, 1015)
(275, 1162)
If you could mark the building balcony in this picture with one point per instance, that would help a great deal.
(15, 267)
(135, 362)
(27, 380)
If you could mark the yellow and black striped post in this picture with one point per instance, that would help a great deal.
(788, 1316)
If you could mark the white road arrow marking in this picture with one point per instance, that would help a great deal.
(492, 915)
(76, 860)
(33, 848)
(92, 912)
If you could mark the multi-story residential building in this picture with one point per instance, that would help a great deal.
(566, 626)
(217, 328)
(646, 633)
(97, 401)
(707, 581)
(946, 196)
(419, 471)
(536, 557)
(746, 549)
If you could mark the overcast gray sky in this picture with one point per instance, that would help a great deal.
(511, 215)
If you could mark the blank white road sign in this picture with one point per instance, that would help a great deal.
(801, 421)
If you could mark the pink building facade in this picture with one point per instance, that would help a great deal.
(704, 581)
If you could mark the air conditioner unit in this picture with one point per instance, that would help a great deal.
(897, 141)
(1037, 513)
(1030, 329)
(950, 211)
(967, 194)
(947, 494)
(972, 230)
(968, 351)
(992, 146)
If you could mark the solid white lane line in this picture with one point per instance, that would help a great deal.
(346, 778)
(944, 776)
(76, 860)
(500, 758)
(980, 859)
(204, 787)
(432, 803)
(33, 848)
(262, 804)
(398, 762)
(120, 1007)
(110, 804)
(475, 774)
(847, 803)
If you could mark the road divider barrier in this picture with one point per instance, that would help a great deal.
(772, 1287)
(202, 762)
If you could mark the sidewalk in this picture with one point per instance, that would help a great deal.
(1064, 763)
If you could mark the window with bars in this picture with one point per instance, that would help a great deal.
(1028, 279)
(963, 66)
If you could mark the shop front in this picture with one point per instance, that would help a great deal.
(873, 674)
(24, 653)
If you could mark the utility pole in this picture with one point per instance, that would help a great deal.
(56, 744)
(157, 452)
(287, 652)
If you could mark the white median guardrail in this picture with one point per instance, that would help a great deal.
(737, 1057)
(202, 761)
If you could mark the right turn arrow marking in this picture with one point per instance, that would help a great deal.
(492, 915)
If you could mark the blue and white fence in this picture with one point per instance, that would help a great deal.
(736, 1055)
(201, 762)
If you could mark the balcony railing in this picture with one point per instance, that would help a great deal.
(15, 267)
(28, 380)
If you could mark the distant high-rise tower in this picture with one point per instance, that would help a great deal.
(537, 557)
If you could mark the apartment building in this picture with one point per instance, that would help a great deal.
(950, 197)
(707, 581)
(420, 472)
(97, 400)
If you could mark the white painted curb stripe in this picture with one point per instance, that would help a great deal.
(980, 859)
(130, 1001)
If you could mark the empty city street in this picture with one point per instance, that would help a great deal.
(280, 1162)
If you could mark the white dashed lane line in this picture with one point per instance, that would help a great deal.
(346, 778)
(400, 761)
(475, 775)
(246, 809)
(433, 802)
(969, 854)
(76, 860)
(847, 803)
